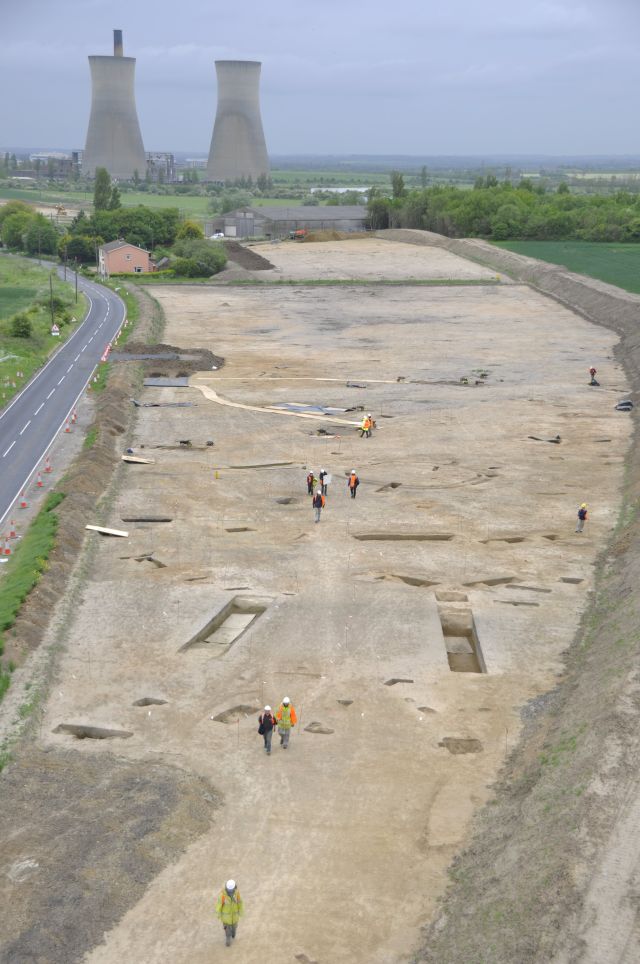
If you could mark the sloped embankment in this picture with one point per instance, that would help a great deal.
(527, 888)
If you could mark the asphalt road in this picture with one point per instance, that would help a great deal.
(31, 421)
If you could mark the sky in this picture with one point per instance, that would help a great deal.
(420, 77)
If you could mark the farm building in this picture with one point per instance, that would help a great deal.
(120, 257)
(277, 222)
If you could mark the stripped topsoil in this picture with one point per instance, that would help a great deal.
(519, 891)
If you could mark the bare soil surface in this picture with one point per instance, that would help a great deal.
(81, 842)
(366, 259)
(409, 627)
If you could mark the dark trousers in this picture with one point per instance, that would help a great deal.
(324, 489)
(309, 488)
(353, 491)
(267, 737)
(230, 932)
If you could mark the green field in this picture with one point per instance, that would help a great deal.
(617, 264)
(24, 287)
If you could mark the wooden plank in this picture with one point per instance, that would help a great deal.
(137, 459)
(108, 532)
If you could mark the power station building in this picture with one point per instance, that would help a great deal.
(114, 140)
(238, 148)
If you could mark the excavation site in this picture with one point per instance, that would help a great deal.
(421, 629)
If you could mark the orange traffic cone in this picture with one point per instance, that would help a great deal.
(23, 501)
(47, 465)
(74, 417)
(67, 427)
(12, 530)
(39, 483)
(7, 547)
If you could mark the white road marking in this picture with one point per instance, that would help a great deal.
(39, 407)
(77, 357)
(69, 369)
(62, 379)
(25, 427)
(51, 393)
(9, 449)
(82, 349)
(91, 339)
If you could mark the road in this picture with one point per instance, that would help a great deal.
(30, 423)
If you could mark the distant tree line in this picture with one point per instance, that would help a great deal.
(503, 211)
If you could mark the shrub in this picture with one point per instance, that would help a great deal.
(21, 326)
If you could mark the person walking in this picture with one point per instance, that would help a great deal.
(287, 719)
(593, 372)
(323, 480)
(230, 909)
(310, 483)
(582, 517)
(266, 726)
(365, 427)
(352, 483)
(318, 503)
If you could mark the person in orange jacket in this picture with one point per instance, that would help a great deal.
(352, 483)
(287, 719)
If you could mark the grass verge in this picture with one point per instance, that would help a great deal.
(24, 568)
(24, 290)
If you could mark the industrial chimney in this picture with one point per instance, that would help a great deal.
(238, 147)
(113, 138)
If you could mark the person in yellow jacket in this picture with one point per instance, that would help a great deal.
(230, 909)
(287, 719)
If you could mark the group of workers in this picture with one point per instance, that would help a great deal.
(318, 487)
(230, 906)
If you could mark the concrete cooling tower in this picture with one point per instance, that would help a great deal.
(238, 147)
(113, 139)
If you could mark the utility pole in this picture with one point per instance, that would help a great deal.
(51, 298)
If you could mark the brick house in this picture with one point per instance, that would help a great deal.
(120, 257)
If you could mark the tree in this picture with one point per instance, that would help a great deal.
(190, 230)
(102, 190)
(21, 326)
(41, 236)
(13, 207)
(563, 188)
(398, 189)
(14, 227)
(423, 176)
(136, 178)
(78, 247)
(379, 209)
(114, 200)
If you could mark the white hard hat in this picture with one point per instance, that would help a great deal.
(286, 700)
(353, 471)
(267, 709)
(368, 414)
(230, 885)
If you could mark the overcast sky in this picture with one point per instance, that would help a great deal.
(339, 76)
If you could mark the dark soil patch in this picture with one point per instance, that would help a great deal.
(246, 257)
(166, 361)
(97, 830)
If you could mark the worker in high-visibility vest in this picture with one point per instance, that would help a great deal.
(287, 719)
(230, 909)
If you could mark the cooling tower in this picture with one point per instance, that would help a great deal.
(238, 147)
(113, 139)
